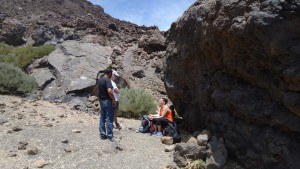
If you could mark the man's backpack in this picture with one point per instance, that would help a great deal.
(172, 131)
(145, 125)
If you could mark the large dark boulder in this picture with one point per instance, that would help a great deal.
(152, 41)
(233, 67)
(12, 31)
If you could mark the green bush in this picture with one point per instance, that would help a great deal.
(14, 81)
(133, 103)
(23, 56)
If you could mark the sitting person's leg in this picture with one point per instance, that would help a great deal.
(155, 125)
(159, 122)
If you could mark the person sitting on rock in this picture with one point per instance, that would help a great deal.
(162, 118)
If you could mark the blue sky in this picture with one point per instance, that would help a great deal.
(146, 12)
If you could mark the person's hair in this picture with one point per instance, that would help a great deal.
(107, 71)
(172, 108)
(165, 100)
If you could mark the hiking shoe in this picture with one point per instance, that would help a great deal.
(103, 137)
(154, 133)
(158, 134)
(111, 139)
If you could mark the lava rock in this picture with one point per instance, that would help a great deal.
(32, 150)
(167, 140)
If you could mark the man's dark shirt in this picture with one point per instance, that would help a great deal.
(103, 84)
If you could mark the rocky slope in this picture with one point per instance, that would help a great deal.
(39, 134)
(87, 40)
(233, 68)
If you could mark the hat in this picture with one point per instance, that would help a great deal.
(115, 73)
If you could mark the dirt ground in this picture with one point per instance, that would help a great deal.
(45, 126)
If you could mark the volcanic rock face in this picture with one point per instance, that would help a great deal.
(233, 67)
(87, 40)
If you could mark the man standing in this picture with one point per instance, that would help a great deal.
(107, 101)
(116, 92)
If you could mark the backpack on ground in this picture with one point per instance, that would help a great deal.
(145, 125)
(172, 131)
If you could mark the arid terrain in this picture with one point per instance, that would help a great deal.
(65, 138)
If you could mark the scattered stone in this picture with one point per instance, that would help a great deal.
(139, 74)
(9, 132)
(65, 141)
(33, 111)
(70, 149)
(40, 163)
(202, 139)
(92, 99)
(167, 140)
(61, 116)
(208, 134)
(49, 125)
(32, 150)
(76, 131)
(22, 145)
(20, 116)
(169, 148)
(16, 129)
(2, 104)
(2, 121)
(192, 140)
(184, 152)
(12, 153)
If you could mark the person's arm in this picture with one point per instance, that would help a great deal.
(110, 91)
(116, 90)
(111, 94)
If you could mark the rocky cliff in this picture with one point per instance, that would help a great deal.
(233, 67)
(87, 40)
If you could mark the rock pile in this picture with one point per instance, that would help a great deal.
(204, 147)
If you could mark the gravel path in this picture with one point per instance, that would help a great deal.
(45, 125)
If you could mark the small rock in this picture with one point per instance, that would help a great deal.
(167, 140)
(169, 148)
(11, 154)
(33, 111)
(70, 149)
(202, 139)
(32, 150)
(61, 116)
(20, 116)
(49, 125)
(16, 129)
(185, 152)
(76, 131)
(208, 134)
(2, 121)
(22, 145)
(192, 140)
(9, 132)
(40, 163)
(65, 141)
(2, 104)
